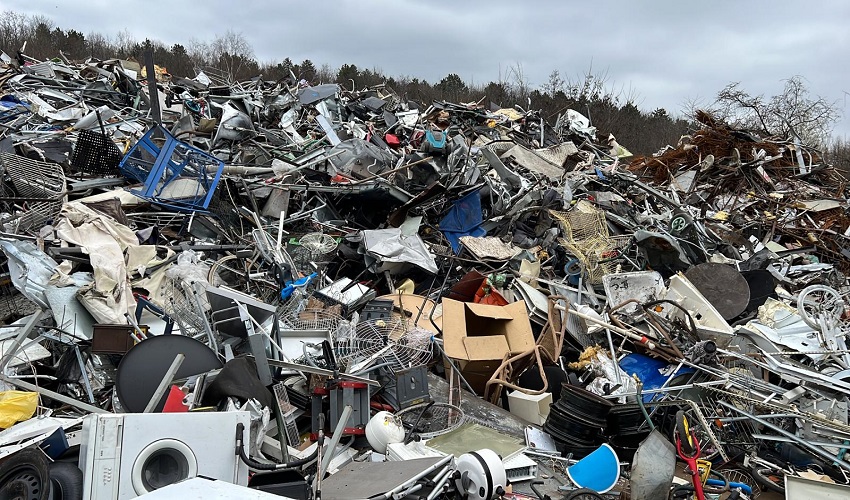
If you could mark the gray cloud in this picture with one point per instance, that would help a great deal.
(667, 52)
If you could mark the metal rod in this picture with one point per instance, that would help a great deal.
(441, 463)
(399, 169)
(12, 350)
(625, 333)
(439, 482)
(165, 382)
(338, 432)
(775, 428)
(83, 373)
(52, 395)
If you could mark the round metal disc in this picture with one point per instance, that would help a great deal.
(142, 368)
(723, 286)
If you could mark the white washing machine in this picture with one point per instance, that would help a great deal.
(127, 455)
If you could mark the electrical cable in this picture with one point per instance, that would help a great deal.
(250, 462)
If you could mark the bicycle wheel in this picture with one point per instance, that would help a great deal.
(230, 271)
(244, 275)
(820, 303)
(769, 479)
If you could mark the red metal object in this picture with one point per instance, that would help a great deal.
(691, 461)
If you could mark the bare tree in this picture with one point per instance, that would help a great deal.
(14, 30)
(518, 82)
(326, 73)
(793, 112)
(555, 83)
(231, 53)
(124, 43)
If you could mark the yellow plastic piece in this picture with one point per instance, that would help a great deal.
(16, 406)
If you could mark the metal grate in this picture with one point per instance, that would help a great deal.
(433, 421)
(287, 411)
(389, 342)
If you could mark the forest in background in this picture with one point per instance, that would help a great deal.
(612, 110)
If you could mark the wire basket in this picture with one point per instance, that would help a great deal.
(586, 237)
(185, 307)
(300, 313)
(41, 187)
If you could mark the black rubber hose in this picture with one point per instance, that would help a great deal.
(409, 437)
(250, 462)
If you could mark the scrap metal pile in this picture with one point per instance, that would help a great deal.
(302, 265)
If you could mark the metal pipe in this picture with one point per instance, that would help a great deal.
(440, 481)
(393, 493)
(393, 171)
(667, 389)
(52, 395)
(625, 333)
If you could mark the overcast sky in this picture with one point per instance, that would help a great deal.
(667, 52)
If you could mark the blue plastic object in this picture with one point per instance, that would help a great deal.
(464, 219)
(174, 173)
(291, 286)
(56, 444)
(716, 482)
(573, 270)
(598, 471)
(436, 144)
(653, 372)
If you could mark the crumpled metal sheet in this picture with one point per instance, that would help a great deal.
(358, 158)
(393, 246)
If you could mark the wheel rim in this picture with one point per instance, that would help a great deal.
(22, 483)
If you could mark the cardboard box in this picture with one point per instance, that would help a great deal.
(478, 336)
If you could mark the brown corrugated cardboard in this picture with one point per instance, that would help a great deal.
(478, 337)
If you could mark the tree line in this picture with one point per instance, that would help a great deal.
(229, 58)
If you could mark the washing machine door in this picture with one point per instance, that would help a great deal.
(163, 462)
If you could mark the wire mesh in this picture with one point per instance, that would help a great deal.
(13, 304)
(299, 312)
(389, 342)
(185, 307)
(141, 220)
(287, 411)
(42, 186)
(433, 421)
(587, 238)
